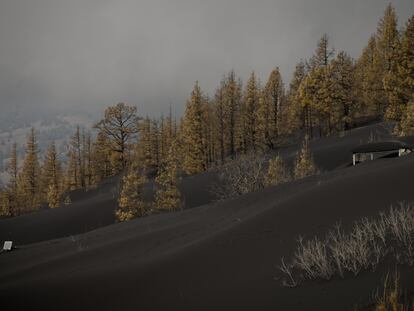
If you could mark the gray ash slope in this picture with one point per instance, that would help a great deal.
(218, 256)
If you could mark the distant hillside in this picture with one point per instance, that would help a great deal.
(58, 129)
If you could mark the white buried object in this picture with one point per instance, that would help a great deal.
(8, 246)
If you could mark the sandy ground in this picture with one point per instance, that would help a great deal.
(212, 256)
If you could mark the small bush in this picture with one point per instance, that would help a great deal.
(304, 165)
(277, 172)
(364, 247)
(243, 175)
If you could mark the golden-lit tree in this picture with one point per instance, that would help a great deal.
(120, 124)
(407, 122)
(277, 172)
(87, 159)
(342, 90)
(101, 167)
(399, 80)
(316, 100)
(295, 112)
(304, 165)
(250, 107)
(369, 80)
(29, 177)
(155, 143)
(51, 177)
(131, 203)
(221, 118)
(388, 46)
(101, 159)
(323, 53)
(232, 102)
(274, 95)
(5, 203)
(11, 192)
(168, 196)
(192, 133)
(75, 173)
(145, 146)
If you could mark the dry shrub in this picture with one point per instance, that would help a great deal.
(243, 175)
(364, 247)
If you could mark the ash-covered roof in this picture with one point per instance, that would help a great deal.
(381, 146)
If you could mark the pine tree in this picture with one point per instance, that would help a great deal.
(388, 38)
(101, 159)
(72, 173)
(263, 136)
(51, 177)
(323, 53)
(407, 122)
(4, 203)
(53, 196)
(368, 77)
(316, 100)
(342, 90)
(232, 103)
(29, 175)
(388, 43)
(145, 146)
(251, 104)
(155, 143)
(274, 96)
(315, 94)
(406, 64)
(277, 172)
(87, 160)
(131, 203)
(295, 113)
(168, 133)
(221, 118)
(304, 165)
(194, 153)
(75, 170)
(12, 187)
(399, 81)
(120, 124)
(209, 132)
(168, 196)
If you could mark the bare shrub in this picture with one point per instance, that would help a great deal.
(365, 246)
(311, 257)
(401, 224)
(287, 269)
(241, 176)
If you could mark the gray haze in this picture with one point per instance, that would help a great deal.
(83, 55)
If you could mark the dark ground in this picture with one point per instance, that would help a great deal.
(217, 256)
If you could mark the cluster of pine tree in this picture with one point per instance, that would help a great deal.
(36, 182)
(328, 93)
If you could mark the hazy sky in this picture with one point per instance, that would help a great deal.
(83, 55)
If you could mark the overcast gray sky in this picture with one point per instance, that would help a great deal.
(83, 55)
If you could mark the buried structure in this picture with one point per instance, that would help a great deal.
(376, 150)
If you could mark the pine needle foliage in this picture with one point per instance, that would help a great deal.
(277, 172)
(131, 203)
(168, 196)
(304, 165)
